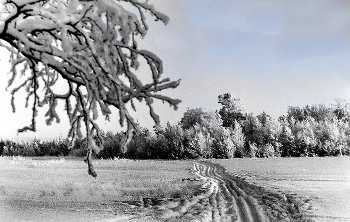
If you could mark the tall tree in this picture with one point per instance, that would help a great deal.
(92, 46)
(286, 139)
(252, 129)
(342, 109)
(232, 109)
(270, 129)
(192, 117)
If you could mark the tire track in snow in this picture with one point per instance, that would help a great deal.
(222, 200)
(230, 203)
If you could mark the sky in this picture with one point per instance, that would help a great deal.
(272, 54)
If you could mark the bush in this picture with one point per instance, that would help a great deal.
(111, 146)
(28, 150)
(174, 138)
(79, 148)
(57, 147)
(251, 150)
(266, 151)
(13, 148)
(2, 145)
(223, 146)
(199, 143)
(140, 146)
(159, 149)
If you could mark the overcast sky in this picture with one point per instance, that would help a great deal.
(272, 54)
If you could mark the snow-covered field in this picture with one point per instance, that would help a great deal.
(60, 190)
(321, 183)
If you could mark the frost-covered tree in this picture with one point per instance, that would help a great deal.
(305, 137)
(286, 139)
(91, 45)
(232, 109)
(252, 129)
(318, 112)
(270, 130)
(342, 109)
(238, 139)
(192, 117)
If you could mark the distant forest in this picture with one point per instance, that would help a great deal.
(231, 132)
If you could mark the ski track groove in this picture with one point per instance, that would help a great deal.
(222, 200)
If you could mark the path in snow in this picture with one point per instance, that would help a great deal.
(222, 200)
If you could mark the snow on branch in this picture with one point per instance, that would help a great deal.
(92, 46)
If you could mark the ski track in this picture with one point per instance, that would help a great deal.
(221, 201)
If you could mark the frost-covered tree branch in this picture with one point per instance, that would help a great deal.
(92, 46)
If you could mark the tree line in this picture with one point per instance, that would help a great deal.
(231, 132)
